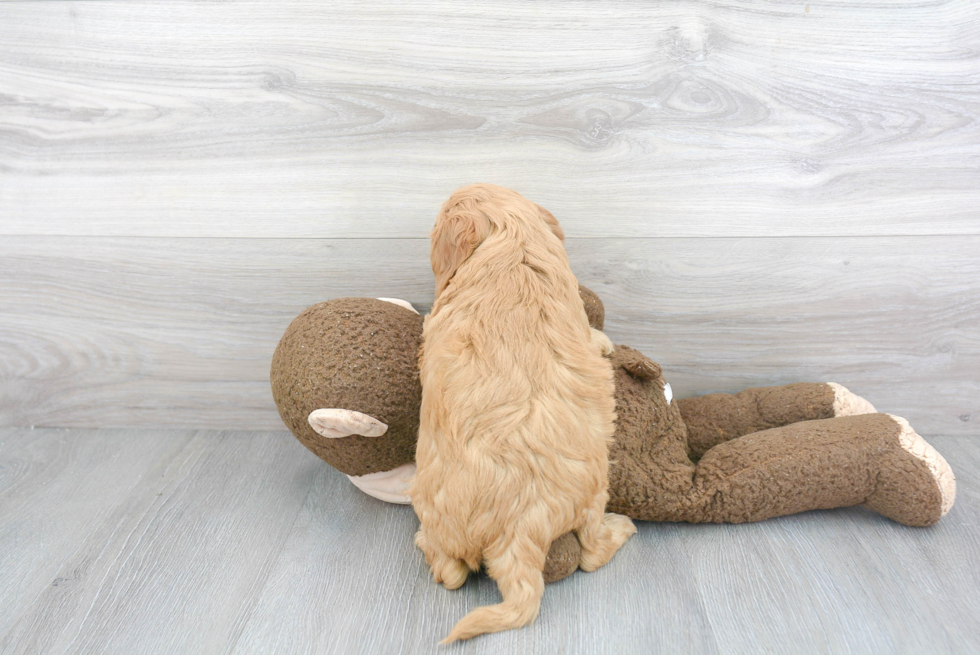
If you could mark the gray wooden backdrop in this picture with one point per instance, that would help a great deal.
(761, 193)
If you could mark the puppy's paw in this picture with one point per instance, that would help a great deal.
(622, 528)
(602, 341)
(606, 539)
(451, 574)
(446, 570)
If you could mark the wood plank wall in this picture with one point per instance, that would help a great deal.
(761, 193)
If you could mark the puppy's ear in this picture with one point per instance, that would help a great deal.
(552, 222)
(458, 232)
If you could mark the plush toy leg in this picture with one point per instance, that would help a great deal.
(872, 459)
(719, 417)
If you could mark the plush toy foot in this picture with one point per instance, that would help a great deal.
(849, 404)
(915, 485)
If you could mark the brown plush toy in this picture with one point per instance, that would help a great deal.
(345, 380)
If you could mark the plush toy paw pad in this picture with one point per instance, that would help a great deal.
(919, 448)
(915, 485)
(847, 403)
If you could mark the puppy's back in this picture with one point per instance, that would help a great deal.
(517, 402)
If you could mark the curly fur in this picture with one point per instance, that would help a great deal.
(517, 407)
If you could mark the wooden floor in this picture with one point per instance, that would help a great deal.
(118, 541)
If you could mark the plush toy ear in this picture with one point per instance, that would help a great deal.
(459, 229)
(552, 222)
(334, 423)
(641, 367)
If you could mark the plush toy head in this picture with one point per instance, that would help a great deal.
(355, 361)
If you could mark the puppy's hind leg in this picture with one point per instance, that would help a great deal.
(446, 570)
(602, 534)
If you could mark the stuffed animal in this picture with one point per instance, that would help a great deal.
(346, 382)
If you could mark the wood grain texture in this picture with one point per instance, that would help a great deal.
(180, 332)
(246, 543)
(177, 562)
(53, 487)
(352, 119)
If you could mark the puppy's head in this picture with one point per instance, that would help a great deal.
(468, 217)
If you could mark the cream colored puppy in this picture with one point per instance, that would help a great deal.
(517, 407)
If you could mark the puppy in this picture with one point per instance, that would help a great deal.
(517, 407)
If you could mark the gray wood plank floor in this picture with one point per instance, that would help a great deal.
(122, 541)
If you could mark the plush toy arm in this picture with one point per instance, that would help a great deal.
(720, 417)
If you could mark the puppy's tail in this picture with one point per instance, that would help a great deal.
(521, 583)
